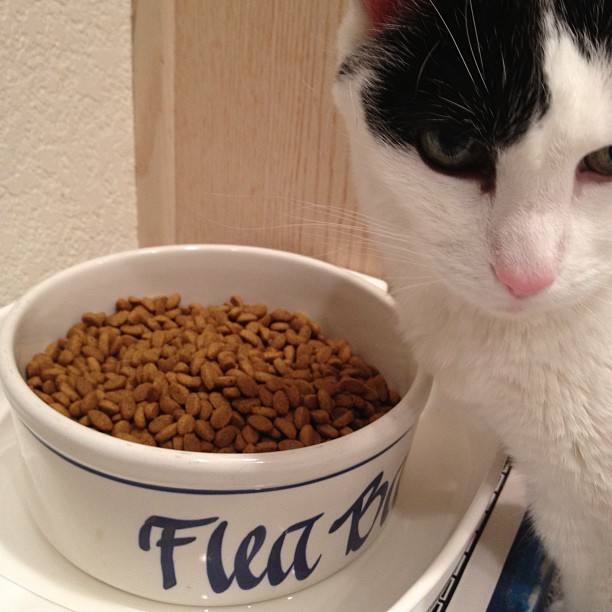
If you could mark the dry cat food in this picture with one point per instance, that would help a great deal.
(228, 378)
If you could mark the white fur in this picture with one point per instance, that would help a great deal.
(537, 370)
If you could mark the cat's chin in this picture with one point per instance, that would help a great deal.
(504, 305)
(518, 309)
(489, 296)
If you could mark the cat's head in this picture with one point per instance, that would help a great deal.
(481, 136)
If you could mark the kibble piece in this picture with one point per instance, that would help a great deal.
(204, 430)
(185, 424)
(250, 435)
(327, 431)
(260, 423)
(100, 420)
(247, 386)
(267, 446)
(160, 422)
(301, 417)
(289, 444)
(225, 436)
(280, 402)
(342, 417)
(166, 433)
(168, 404)
(191, 443)
(222, 412)
(286, 427)
(325, 400)
(309, 436)
(320, 417)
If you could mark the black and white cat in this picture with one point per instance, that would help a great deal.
(481, 136)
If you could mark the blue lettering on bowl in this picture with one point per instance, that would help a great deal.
(377, 490)
(248, 548)
(219, 580)
(360, 525)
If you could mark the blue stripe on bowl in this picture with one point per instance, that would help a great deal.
(167, 489)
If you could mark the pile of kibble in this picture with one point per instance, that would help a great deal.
(224, 378)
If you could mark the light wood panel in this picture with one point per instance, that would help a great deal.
(237, 137)
(153, 67)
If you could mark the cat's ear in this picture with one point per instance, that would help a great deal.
(364, 18)
(379, 12)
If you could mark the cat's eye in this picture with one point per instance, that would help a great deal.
(452, 152)
(600, 161)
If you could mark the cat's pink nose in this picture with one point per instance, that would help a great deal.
(522, 285)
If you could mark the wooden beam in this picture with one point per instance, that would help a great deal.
(237, 138)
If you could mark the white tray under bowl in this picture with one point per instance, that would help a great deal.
(449, 479)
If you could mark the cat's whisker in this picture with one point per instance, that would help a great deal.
(423, 64)
(355, 217)
(353, 105)
(406, 288)
(584, 308)
(372, 236)
(362, 221)
(462, 107)
(600, 298)
(397, 281)
(479, 66)
(374, 243)
(450, 33)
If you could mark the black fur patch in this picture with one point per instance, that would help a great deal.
(468, 67)
(590, 22)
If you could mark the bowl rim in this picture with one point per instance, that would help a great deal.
(71, 439)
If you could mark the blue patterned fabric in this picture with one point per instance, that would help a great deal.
(526, 577)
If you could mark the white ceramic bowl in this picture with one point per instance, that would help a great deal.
(198, 528)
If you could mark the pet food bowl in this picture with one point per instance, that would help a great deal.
(198, 528)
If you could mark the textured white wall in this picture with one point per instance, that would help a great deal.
(67, 190)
